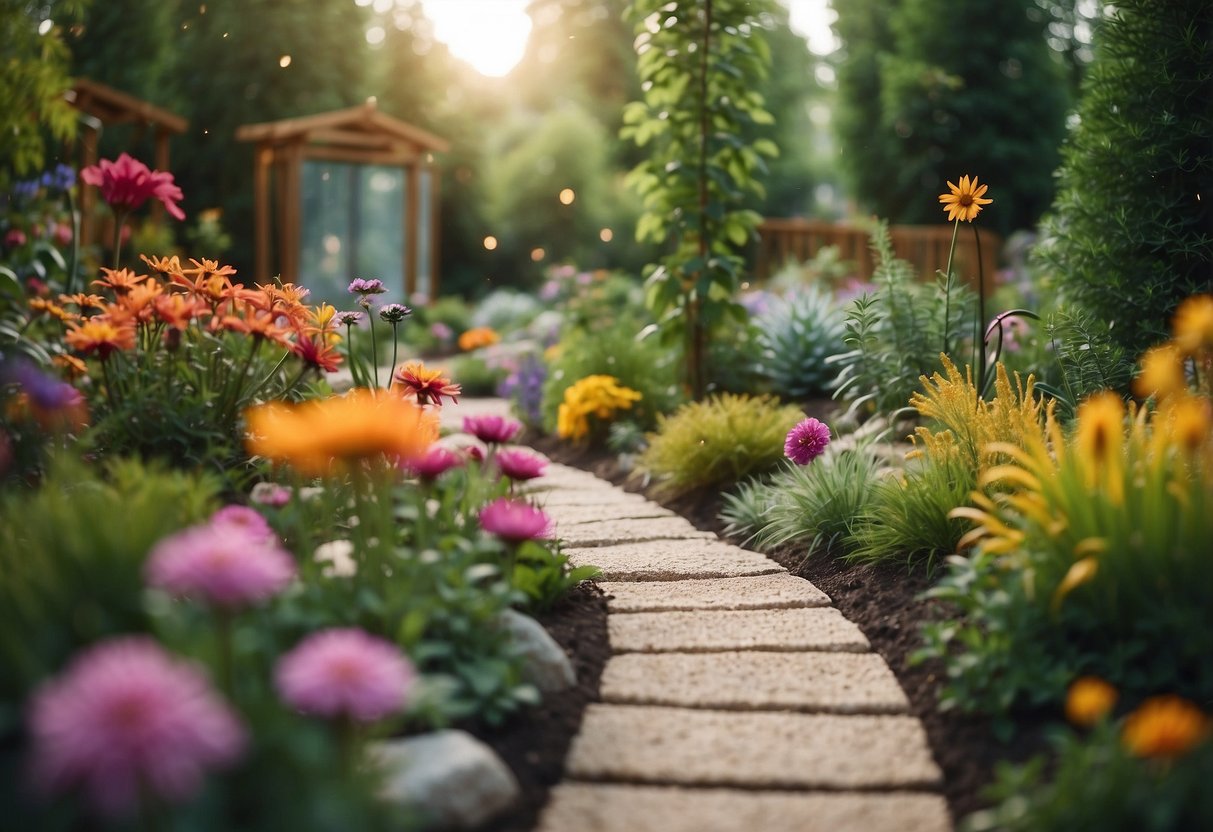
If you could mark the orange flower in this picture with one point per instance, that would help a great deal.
(209, 288)
(1089, 701)
(83, 301)
(120, 280)
(1164, 726)
(426, 386)
(481, 336)
(163, 266)
(1193, 324)
(178, 310)
(361, 425)
(140, 301)
(1162, 373)
(54, 310)
(316, 353)
(259, 325)
(965, 200)
(207, 269)
(100, 336)
(72, 366)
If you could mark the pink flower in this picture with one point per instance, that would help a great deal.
(15, 237)
(515, 521)
(436, 462)
(806, 441)
(344, 672)
(491, 429)
(223, 563)
(125, 717)
(128, 183)
(271, 494)
(518, 464)
(247, 519)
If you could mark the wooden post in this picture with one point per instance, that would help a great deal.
(289, 213)
(435, 226)
(412, 226)
(263, 157)
(88, 194)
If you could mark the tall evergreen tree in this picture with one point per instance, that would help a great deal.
(1132, 228)
(950, 87)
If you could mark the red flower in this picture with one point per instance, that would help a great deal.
(128, 183)
(425, 385)
(316, 353)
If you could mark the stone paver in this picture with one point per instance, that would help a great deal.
(595, 807)
(679, 746)
(780, 590)
(576, 514)
(614, 531)
(672, 560)
(706, 631)
(842, 683)
(604, 498)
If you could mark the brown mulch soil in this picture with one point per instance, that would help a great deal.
(883, 599)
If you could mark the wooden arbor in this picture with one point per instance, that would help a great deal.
(358, 135)
(105, 106)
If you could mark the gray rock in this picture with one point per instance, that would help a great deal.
(544, 664)
(450, 778)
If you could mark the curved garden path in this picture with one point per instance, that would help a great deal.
(736, 696)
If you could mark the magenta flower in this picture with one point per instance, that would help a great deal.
(347, 318)
(520, 465)
(126, 718)
(364, 287)
(344, 672)
(128, 183)
(515, 521)
(436, 462)
(222, 563)
(245, 518)
(806, 441)
(491, 429)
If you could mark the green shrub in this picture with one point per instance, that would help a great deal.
(794, 337)
(1088, 357)
(505, 311)
(813, 507)
(643, 365)
(476, 376)
(72, 556)
(1130, 234)
(897, 333)
(717, 442)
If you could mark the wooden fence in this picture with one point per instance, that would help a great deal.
(781, 241)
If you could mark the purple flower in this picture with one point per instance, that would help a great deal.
(491, 428)
(436, 462)
(361, 286)
(549, 291)
(222, 563)
(124, 719)
(394, 313)
(45, 392)
(344, 672)
(806, 441)
(347, 318)
(515, 521)
(61, 178)
(520, 465)
(441, 331)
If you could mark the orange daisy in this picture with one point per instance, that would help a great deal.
(100, 336)
(425, 385)
(965, 200)
(120, 280)
(163, 266)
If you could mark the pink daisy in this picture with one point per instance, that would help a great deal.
(344, 672)
(126, 717)
(223, 563)
(518, 464)
(491, 429)
(243, 517)
(515, 521)
(436, 462)
(806, 441)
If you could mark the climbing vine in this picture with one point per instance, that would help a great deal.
(699, 62)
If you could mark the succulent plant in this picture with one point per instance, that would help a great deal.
(796, 334)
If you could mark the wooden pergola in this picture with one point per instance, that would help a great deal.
(359, 135)
(106, 106)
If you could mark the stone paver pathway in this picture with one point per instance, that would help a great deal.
(736, 698)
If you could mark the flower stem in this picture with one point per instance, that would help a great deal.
(395, 347)
(374, 347)
(979, 341)
(947, 287)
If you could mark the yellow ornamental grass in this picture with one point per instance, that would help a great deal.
(600, 396)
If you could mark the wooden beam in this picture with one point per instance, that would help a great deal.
(412, 226)
(263, 157)
(289, 213)
(360, 157)
(353, 139)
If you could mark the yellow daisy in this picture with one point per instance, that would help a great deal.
(965, 200)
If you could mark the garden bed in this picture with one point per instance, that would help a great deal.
(884, 601)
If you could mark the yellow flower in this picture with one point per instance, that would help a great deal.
(1101, 427)
(599, 396)
(481, 336)
(1193, 325)
(313, 436)
(1162, 373)
(1188, 422)
(1164, 726)
(965, 200)
(1089, 701)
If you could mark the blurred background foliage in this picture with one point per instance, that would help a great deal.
(902, 104)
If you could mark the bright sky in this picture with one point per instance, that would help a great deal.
(491, 34)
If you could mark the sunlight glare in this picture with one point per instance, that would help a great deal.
(490, 35)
